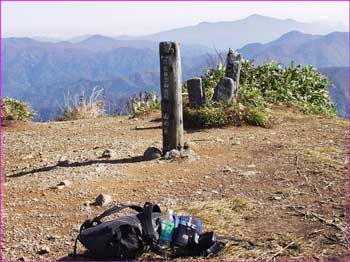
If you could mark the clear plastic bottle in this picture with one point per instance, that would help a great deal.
(167, 229)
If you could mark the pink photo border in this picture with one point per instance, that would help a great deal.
(348, 106)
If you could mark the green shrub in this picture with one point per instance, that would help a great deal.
(211, 79)
(145, 103)
(299, 86)
(206, 116)
(257, 117)
(13, 109)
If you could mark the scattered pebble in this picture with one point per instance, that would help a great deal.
(43, 250)
(172, 154)
(63, 161)
(247, 173)
(66, 183)
(277, 197)
(109, 153)
(100, 169)
(27, 157)
(227, 169)
(103, 200)
(60, 187)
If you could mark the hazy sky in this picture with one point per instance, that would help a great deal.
(66, 19)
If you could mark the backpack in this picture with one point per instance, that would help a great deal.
(128, 237)
(122, 238)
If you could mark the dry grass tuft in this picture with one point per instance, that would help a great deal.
(82, 108)
(220, 216)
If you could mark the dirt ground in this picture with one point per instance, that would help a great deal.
(292, 179)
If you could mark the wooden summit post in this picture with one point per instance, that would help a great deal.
(171, 95)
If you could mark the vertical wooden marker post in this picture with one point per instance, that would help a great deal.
(171, 94)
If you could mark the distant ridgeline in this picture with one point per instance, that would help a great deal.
(339, 90)
(46, 75)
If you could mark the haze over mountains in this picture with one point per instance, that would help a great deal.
(319, 50)
(222, 35)
(41, 73)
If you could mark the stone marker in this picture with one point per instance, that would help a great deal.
(224, 90)
(233, 67)
(171, 95)
(195, 92)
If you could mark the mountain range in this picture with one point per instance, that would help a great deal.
(339, 89)
(235, 34)
(43, 73)
(319, 50)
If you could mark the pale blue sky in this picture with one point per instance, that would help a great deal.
(67, 19)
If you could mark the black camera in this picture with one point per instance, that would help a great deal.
(184, 234)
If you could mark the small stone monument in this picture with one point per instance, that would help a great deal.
(171, 96)
(224, 90)
(233, 68)
(227, 90)
(195, 92)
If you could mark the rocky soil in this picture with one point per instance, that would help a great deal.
(294, 177)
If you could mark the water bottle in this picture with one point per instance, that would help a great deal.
(167, 230)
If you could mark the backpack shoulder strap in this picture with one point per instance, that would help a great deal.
(148, 228)
(116, 209)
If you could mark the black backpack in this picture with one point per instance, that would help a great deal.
(122, 238)
(128, 237)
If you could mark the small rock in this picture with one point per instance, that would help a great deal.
(86, 204)
(277, 197)
(66, 183)
(43, 250)
(100, 169)
(172, 154)
(60, 187)
(215, 192)
(30, 156)
(189, 154)
(63, 161)
(248, 173)
(236, 143)
(251, 166)
(227, 169)
(53, 238)
(152, 153)
(103, 200)
(22, 259)
(109, 153)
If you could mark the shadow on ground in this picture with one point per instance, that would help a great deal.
(135, 159)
